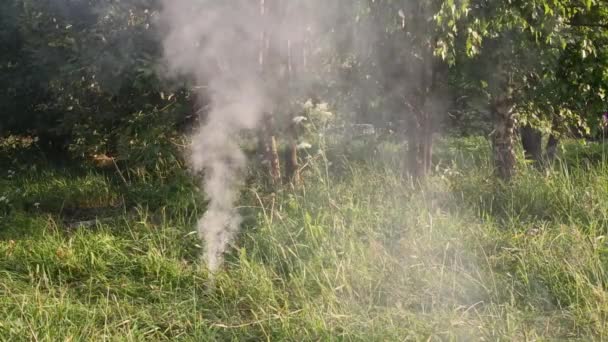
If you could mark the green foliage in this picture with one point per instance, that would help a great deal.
(359, 253)
(76, 74)
(551, 54)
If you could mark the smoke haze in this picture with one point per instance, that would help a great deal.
(243, 54)
(218, 45)
(236, 51)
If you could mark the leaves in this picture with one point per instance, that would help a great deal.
(93, 63)
(537, 44)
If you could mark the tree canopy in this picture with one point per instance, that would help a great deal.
(79, 74)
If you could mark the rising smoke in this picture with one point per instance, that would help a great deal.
(238, 51)
(224, 46)
(218, 43)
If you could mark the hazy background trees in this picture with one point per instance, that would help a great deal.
(86, 78)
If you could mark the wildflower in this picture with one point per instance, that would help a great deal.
(37, 205)
(308, 104)
(304, 146)
(323, 107)
(325, 114)
(299, 119)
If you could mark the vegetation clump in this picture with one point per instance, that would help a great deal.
(368, 170)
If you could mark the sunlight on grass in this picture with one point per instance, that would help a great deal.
(366, 256)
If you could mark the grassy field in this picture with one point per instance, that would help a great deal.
(358, 254)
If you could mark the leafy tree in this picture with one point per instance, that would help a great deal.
(84, 74)
(75, 73)
(514, 53)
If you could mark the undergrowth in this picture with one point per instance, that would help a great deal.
(359, 253)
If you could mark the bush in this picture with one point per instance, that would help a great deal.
(77, 76)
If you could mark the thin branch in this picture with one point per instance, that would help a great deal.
(122, 177)
(600, 25)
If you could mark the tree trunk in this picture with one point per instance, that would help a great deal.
(427, 147)
(531, 139)
(414, 152)
(503, 138)
(552, 145)
(275, 165)
(532, 142)
(430, 103)
(420, 151)
(268, 149)
(292, 165)
(267, 141)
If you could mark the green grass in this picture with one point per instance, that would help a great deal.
(362, 255)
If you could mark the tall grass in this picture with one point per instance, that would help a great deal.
(360, 255)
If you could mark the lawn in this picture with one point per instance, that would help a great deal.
(358, 253)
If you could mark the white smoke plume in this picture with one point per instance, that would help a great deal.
(236, 51)
(221, 44)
